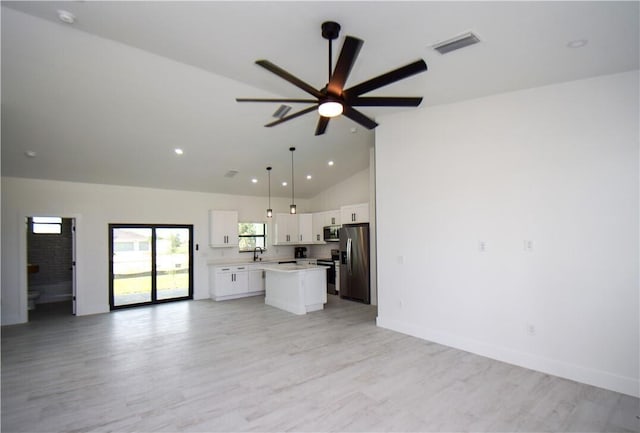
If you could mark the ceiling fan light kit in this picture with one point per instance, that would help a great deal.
(333, 99)
(330, 109)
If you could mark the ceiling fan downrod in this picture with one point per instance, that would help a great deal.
(330, 31)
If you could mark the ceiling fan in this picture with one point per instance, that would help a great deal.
(333, 99)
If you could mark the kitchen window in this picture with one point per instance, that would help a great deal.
(251, 236)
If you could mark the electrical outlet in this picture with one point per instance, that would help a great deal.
(528, 245)
(531, 329)
(400, 260)
(482, 246)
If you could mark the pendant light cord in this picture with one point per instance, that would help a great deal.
(292, 181)
(269, 171)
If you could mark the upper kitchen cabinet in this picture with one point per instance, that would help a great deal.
(286, 229)
(333, 217)
(355, 213)
(223, 228)
(305, 228)
(319, 220)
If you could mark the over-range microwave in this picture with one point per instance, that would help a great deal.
(332, 233)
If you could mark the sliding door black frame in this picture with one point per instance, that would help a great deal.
(154, 295)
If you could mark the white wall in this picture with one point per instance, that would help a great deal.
(94, 207)
(352, 190)
(556, 165)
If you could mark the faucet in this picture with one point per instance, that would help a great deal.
(255, 253)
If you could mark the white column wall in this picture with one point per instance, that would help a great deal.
(557, 166)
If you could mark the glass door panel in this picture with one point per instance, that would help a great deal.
(132, 275)
(150, 263)
(172, 263)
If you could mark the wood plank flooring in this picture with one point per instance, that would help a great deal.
(242, 366)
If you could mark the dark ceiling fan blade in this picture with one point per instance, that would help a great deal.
(385, 101)
(386, 79)
(292, 116)
(347, 58)
(290, 78)
(358, 117)
(291, 101)
(322, 125)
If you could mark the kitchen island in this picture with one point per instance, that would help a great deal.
(298, 289)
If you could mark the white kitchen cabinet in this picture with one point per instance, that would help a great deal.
(223, 228)
(356, 213)
(228, 282)
(333, 217)
(305, 228)
(286, 229)
(319, 220)
(256, 281)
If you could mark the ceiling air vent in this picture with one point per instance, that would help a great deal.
(282, 111)
(231, 173)
(456, 43)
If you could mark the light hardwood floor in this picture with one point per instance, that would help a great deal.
(242, 366)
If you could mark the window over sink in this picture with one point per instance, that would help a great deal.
(252, 235)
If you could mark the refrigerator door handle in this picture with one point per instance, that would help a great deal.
(349, 262)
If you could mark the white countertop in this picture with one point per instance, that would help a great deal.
(241, 261)
(291, 267)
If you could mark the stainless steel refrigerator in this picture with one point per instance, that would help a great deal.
(354, 262)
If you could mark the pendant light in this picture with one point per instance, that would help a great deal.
(292, 208)
(269, 210)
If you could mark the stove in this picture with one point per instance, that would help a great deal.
(330, 263)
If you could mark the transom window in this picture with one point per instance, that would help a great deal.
(252, 235)
(46, 225)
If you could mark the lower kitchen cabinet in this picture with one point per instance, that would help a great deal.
(256, 281)
(236, 281)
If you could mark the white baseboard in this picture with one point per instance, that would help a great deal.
(578, 373)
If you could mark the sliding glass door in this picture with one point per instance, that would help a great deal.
(149, 264)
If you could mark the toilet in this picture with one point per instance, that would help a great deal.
(32, 295)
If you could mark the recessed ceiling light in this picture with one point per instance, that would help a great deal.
(308, 176)
(66, 17)
(30, 153)
(254, 180)
(577, 43)
(330, 162)
(284, 183)
(178, 151)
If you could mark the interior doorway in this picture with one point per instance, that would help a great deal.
(50, 267)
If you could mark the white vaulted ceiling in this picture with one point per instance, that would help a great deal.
(108, 98)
